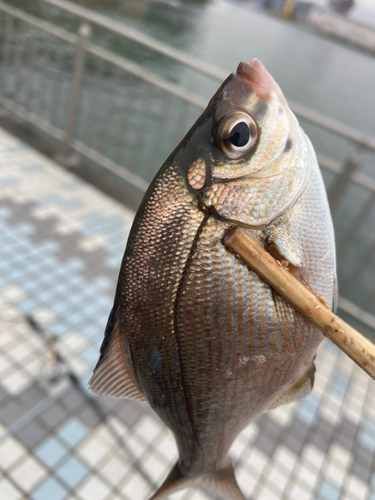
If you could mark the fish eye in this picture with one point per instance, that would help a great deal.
(240, 135)
(236, 134)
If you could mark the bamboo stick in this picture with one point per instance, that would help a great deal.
(349, 340)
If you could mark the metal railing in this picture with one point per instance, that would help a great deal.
(126, 119)
(80, 78)
(360, 138)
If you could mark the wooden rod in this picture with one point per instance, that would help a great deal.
(349, 340)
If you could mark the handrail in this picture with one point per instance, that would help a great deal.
(39, 23)
(137, 70)
(136, 36)
(361, 138)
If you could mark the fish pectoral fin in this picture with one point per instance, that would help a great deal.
(300, 389)
(221, 483)
(112, 373)
(290, 261)
(281, 245)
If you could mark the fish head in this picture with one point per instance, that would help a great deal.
(246, 158)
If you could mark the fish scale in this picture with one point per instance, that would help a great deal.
(193, 331)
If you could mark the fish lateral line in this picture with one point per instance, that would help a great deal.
(175, 324)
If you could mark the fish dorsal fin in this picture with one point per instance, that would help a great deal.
(300, 389)
(222, 483)
(114, 374)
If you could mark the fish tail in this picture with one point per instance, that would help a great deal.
(175, 481)
(221, 483)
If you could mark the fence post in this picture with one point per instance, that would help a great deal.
(350, 166)
(84, 33)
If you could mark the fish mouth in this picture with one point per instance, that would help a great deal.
(256, 75)
(261, 81)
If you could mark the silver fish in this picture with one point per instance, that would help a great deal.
(193, 331)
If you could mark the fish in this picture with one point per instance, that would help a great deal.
(193, 331)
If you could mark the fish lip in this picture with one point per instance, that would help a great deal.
(256, 75)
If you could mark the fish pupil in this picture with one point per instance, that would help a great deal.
(239, 135)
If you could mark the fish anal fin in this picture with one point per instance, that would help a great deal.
(112, 376)
(299, 390)
(221, 483)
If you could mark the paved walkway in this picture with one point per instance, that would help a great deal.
(61, 243)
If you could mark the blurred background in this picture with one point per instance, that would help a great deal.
(94, 95)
